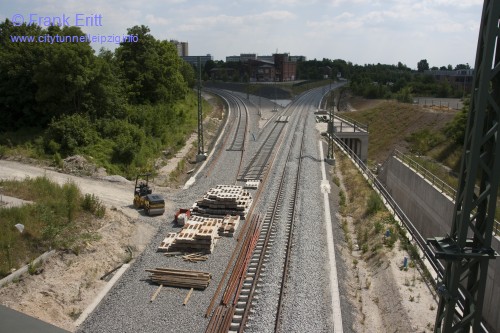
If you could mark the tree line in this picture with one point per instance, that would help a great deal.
(369, 80)
(121, 106)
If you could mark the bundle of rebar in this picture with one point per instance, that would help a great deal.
(180, 278)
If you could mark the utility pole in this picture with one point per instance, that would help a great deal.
(201, 145)
(467, 257)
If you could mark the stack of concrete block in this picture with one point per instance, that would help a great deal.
(198, 236)
(224, 200)
(167, 242)
(229, 225)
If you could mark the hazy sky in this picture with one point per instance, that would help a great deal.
(361, 31)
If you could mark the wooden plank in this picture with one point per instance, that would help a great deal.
(156, 293)
(187, 297)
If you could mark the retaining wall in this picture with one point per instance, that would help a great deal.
(431, 212)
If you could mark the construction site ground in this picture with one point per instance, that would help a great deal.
(68, 282)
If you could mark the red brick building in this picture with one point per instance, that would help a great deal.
(286, 70)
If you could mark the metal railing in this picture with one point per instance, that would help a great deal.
(360, 127)
(426, 174)
(399, 213)
(435, 181)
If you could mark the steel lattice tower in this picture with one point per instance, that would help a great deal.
(467, 250)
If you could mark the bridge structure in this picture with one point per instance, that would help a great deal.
(353, 134)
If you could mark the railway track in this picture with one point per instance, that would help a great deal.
(281, 214)
(266, 241)
(238, 143)
(238, 107)
(259, 163)
(260, 243)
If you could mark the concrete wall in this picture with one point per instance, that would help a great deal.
(431, 212)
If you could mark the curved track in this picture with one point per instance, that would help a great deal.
(269, 240)
(239, 108)
(258, 165)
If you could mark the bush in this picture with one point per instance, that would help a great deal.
(91, 203)
(424, 140)
(456, 128)
(58, 161)
(68, 133)
(374, 204)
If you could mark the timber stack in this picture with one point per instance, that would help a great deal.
(180, 278)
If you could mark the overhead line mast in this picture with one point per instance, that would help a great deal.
(467, 250)
(201, 145)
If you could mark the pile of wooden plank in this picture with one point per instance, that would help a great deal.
(252, 183)
(195, 257)
(180, 278)
(224, 200)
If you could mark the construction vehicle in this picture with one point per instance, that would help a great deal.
(182, 216)
(153, 204)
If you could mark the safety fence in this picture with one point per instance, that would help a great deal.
(350, 124)
(439, 103)
(397, 211)
(435, 181)
(438, 267)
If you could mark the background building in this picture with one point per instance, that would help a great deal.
(182, 48)
(193, 60)
(459, 79)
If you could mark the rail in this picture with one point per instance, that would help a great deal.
(435, 181)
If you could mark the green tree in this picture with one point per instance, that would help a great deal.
(105, 91)
(63, 75)
(462, 66)
(188, 74)
(456, 128)
(151, 69)
(422, 65)
(17, 87)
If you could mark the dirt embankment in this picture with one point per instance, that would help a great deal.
(67, 283)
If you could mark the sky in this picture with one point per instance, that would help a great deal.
(360, 31)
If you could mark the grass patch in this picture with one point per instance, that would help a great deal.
(58, 218)
(371, 220)
(392, 124)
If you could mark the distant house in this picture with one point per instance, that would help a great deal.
(459, 79)
(278, 67)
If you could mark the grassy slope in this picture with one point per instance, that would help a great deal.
(60, 217)
(391, 126)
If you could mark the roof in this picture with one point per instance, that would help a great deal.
(15, 321)
(155, 197)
